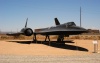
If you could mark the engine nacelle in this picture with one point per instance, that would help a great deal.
(27, 31)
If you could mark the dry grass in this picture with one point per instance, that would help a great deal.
(22, 37)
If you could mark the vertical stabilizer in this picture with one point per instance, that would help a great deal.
(26, 23)
(57, 22)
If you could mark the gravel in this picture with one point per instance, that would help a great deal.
(93, 58)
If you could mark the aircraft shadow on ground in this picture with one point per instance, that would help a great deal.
(55, 44)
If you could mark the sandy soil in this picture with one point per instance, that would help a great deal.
(21, 47)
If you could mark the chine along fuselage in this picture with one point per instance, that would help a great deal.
(61, 30)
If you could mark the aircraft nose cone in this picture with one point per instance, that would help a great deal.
(81, 29)
(87, 31)
(84, 29)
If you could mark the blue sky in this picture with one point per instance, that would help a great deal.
(41, 13)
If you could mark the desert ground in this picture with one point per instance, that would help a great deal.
(24, 51)
(26, 47)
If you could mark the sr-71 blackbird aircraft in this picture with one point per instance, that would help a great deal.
(61, 30)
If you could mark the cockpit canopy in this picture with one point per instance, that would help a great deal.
(70, 24)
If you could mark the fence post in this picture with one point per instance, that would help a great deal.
(95, 42)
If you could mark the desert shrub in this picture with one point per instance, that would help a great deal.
(55, 37)
(21, 37)
(3, 37)
(98, 37)
(77, 37)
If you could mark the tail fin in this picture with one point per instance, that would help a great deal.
(26, 23)
(57, 22)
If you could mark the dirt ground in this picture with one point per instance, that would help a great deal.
(21, 47)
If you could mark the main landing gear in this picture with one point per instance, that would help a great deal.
(35, 39)
(60, 39)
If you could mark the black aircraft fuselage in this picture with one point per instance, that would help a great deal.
(61, 30)
(69, 28)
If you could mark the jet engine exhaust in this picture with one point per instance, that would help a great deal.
(28, 32)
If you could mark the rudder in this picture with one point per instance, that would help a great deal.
(57, 22)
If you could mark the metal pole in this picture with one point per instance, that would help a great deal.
(76, 46)
(80, 17)
(94, 48)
